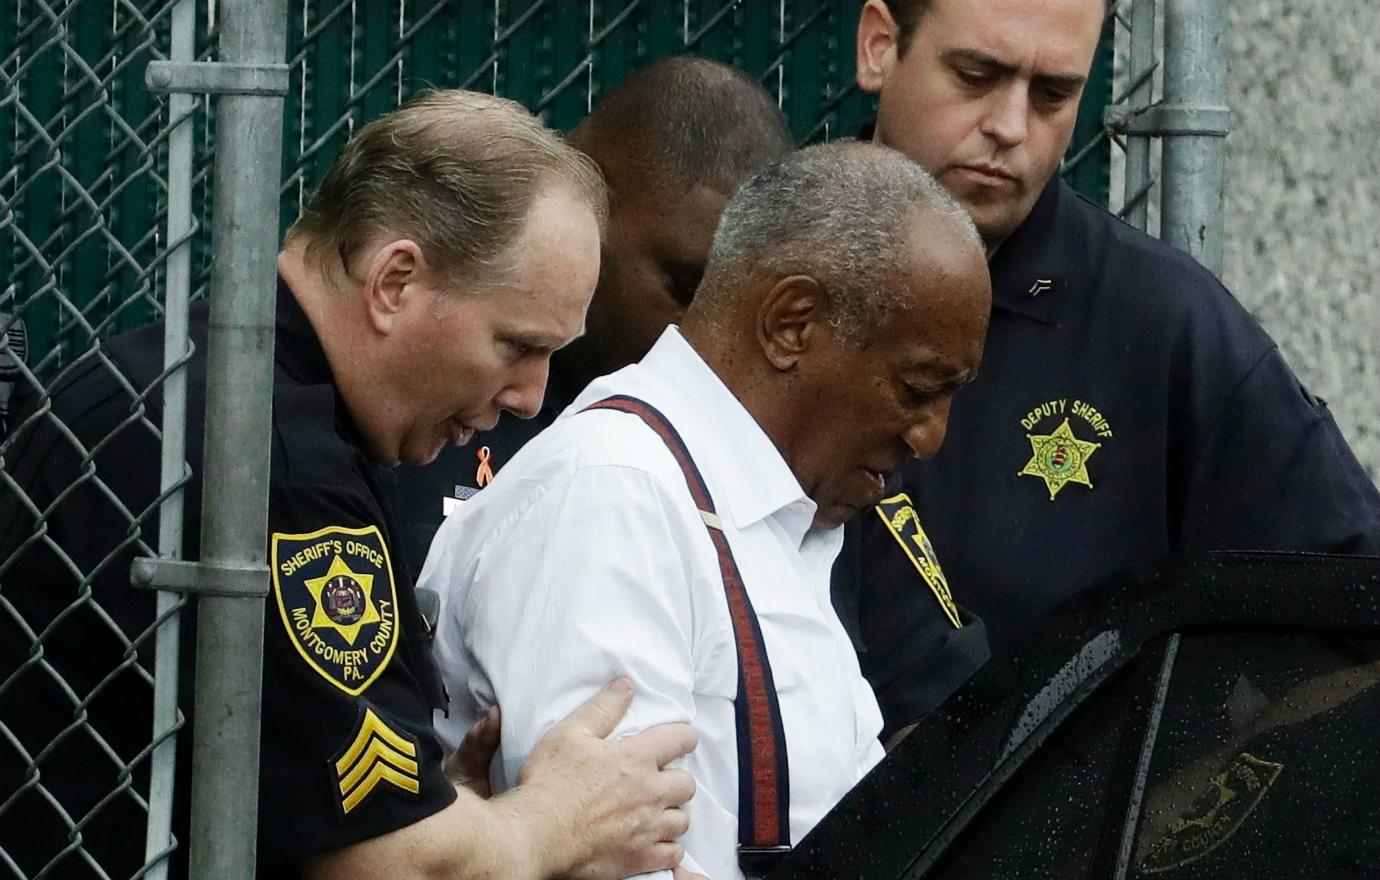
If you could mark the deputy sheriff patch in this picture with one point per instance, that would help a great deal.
(904, 524)
(336, 595)
(1060, 455)
(377, 755)
(1215, 815)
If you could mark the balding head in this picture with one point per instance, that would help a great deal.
(674, 140)
(845, 301)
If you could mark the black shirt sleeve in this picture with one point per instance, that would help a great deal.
(348, 751)
(1274, 472)
(909, 649)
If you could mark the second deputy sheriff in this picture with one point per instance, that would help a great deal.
(1128, 407)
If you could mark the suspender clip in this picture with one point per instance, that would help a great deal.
(712, 520)
(757, 861)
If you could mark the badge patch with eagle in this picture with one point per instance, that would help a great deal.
(336, 596)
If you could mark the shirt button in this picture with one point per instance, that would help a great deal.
(800, 507)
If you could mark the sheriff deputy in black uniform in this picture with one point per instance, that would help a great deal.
(674, 141)
(1127, 406)
(452, 247)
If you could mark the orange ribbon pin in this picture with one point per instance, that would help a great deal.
(485, 474)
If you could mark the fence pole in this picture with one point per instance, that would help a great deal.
(1140, 92)
(176, 350)
(239, 398)
(1195, 96)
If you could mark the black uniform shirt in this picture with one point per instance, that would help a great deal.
(346, 656)
(1127, 407)
(347, 659)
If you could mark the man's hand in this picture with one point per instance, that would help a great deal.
(609, 809)
(469, 766)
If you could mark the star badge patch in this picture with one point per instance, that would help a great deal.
(336, 597)
(1059, 458)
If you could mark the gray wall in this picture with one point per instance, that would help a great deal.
(1302, 223)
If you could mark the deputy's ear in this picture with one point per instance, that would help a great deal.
(394, 268)
(878, 45)
(789, 319)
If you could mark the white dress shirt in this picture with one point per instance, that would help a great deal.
(586, 559)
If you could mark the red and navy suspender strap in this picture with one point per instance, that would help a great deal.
(764, 795)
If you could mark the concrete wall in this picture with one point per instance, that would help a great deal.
(1302, 220)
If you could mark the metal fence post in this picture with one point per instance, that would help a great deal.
(1139, 93)
(239, 397)
(176, 351)
(1195, 123)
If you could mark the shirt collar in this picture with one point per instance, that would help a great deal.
(751, 479)
(1033, 269)
(298, 354)
(297, 349)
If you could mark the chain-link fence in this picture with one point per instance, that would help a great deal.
(106, 207)
(86, 199)
(97, 236)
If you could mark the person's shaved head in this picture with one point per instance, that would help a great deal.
(674, 141)
(682, 122)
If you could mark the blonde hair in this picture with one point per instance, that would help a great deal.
(455, 171)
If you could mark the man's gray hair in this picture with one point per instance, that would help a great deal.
(840, 213)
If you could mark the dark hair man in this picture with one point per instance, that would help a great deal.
(844, 302)
(450, 249)
(1128, 406)
(673, 140)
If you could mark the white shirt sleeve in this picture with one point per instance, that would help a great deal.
(590, 581)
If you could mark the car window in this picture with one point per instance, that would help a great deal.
(1058, 815)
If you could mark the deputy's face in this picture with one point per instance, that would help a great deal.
(985, 96)
(875, 404)
(467, 357)
(653, 259)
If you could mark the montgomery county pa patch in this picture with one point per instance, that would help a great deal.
(337, 599)
(904, 525)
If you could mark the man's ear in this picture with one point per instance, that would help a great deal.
(394, 267)
(788, 320)
(878, 45)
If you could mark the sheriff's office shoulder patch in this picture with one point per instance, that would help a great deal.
(1214, 816)
(904, 524)
(377, 755)
(336, 595)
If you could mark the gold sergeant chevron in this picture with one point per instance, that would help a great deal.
(377, 754)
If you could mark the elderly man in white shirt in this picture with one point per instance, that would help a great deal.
(677, 524)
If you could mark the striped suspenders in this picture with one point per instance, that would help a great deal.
(764, 795)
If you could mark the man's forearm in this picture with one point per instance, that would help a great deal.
(508, 838)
